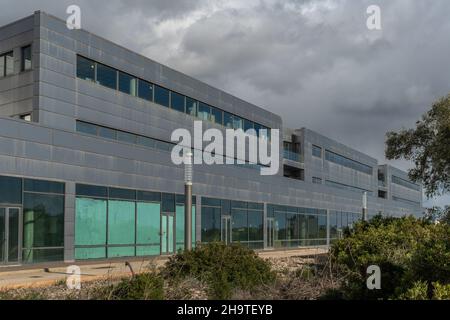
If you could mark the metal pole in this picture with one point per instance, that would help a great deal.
(188, 202)
(364, 207)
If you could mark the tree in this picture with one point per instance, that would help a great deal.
(428, 146)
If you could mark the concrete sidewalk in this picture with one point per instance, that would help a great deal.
(116, 269)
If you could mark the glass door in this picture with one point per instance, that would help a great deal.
(225, 227)
(270, 233)
(167, 234)
(10, 229)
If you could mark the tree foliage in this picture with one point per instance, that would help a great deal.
(428, 146)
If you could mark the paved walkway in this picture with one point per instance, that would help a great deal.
(90, 272)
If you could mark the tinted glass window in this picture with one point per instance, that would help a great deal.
(127, 83)
(216, 115)
(161, 96)
(86, 128)
(126, 137)
(248, 125)
(255, 225)
(191, 106)
(145, 90)
(149, 196)
(85, 69)
(106, 76)
(44, 186)
(177, 101)
(210, 224)
(26, 58)
(238, 123)
(117, 193)
(228, 120)
(239, 225)
(204, 111)
(91, 191)
(211, 202)
(147, 142)
(107, 133)
(9, 63)
(317, 151)
(168, 202)
(10, 190)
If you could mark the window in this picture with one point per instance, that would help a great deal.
(405, 183)
(87, 128)
(127, 84)
(121, 228)
(43, 226)
(85, 69)
(239, 225)
(10, 190)
(210, 224)
(162, 96)
(145, 90)
(126, 194)
(238, 123)
(216, 115)
(382, 194)
(346, 162)
(26, 58)
(317, 151)
(148, 237)
(317, 180)
(25, 117)
(204, 111)
(346, 187)
(126, 137)
(248, 125)
(42, 186)
(106, 76)
(6, 64)
(228, 120)
(177, 101)
(107, 133)
(91, 191)
(191, 106)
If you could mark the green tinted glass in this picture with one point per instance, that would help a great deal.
(90, 223)
(121, 222)
(148, 228)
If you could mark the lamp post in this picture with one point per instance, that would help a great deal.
(188, 172)
(364, 207)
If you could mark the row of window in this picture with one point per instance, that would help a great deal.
(407, 201)
(405, 183)
(114, 79)
(346, 162)
(346, 187)
(112, 222)
(7, 61)
(123, 136)
(43, 217)
(340, 220)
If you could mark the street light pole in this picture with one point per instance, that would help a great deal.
(188, 172)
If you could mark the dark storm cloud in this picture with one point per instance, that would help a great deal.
(313, 62)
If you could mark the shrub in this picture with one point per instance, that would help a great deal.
(223, 268)
(411, 254)
(144, 286)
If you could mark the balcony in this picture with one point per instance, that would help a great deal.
(292, 156)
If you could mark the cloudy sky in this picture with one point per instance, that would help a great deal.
(314, 62)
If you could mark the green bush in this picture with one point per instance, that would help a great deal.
(411, 253)
(223, 268)
(144, 286)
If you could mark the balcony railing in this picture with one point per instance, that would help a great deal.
(293, 156)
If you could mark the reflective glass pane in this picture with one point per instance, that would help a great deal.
(239, 225)
(121, 222)
(168, 202)
(146, 142)
(191, 106)
(9, 63)
(145, 90)
(161, 96)
(148, 228)
(149, 196)
(43, 221)
(126, 137)
(121, 251)
(42, 255)
(117, 193)
(26, 58)
(85, 69)
(179, 227)
(107, 133)
(228, 120)
(86, 128)
(255, 225)
(238, 123)
(248, 125)
(210, 224)
(90, 253)
(91, 191)
(106, 76)
(204, 111)
(13, 238)
(177, 101)
(216, 115)
(90, 223)
(10, 190)
(43, 186)
(127, 83)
